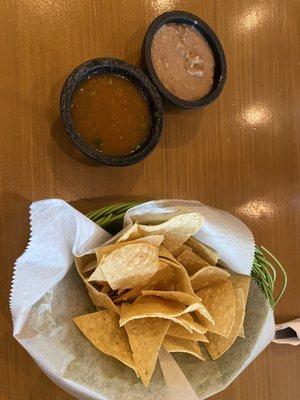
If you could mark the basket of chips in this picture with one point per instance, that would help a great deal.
(166, 276)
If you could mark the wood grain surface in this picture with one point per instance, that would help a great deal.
(240, 154)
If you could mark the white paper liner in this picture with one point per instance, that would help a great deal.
(47, 293)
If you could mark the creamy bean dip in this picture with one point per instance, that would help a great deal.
(183, 61)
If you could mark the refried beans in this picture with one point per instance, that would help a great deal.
(183, 61)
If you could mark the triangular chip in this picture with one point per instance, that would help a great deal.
(203, 315)
(176, 230)
(184, 298)
(208, 276)
(128, 266)
(181, 249)
(181, 297)
(241, 282)
(191, 261)
(154, 307)
(177, 345)
(166, 254)
(242, 332)
(183, 283)
(218, 345)
(187, 321)
(103, 331)
(145, 337)
(177, 330)
(90, 266)
(101, 300)
(219, 300)
(163, 279)
(129, 233)
(154, 240)
(82, 262)
(203, 251)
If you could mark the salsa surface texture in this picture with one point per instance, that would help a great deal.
(111, 114)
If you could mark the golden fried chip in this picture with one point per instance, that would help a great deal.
(101, 300)
(82, 262)
(219, 300)
(129, 233)
(128, 266)
(154, 307)
(154, 240)
(177, 330)
(90, 266)
(208, 276)
(241, 282)
(180, 250)
(176, 230)
(184, 298)
(203, 251)
(103, 331)
(181, 297)
(145, 337)
(218, 345)
(177, 345)
(163, 279)
(166, 255)
(191, 261)
(187, 321)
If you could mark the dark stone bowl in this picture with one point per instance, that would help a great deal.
(119, 67)
(183, 17)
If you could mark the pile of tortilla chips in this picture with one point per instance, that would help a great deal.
(158, 286)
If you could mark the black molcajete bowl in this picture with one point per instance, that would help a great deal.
(182, 17)
(121, 68)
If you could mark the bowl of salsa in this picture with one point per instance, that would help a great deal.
(111, 111)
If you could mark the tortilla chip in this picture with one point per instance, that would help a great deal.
(219, 300)
(203, 251)
(187, 321)
(241, 282)
(179, 331)
(154, 240)
(181, 249)
(90, 266)
(82, 262)
(129, 233)
(105, 288)
(218, 345)
(176, 230)
(163, 279)
(180, 297)
(203, 315)
(165, 253)
(101, 300)
(183, 283)
(128, 266)
(184, 298)
(191, 261)
(154, 307)
(145, 337)
(242, 332)
(129, 295)
(178, 345)
(208, 276)
(103, 331)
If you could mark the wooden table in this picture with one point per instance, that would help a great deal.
(240, 154)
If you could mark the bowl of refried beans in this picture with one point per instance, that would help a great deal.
(184, 59)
